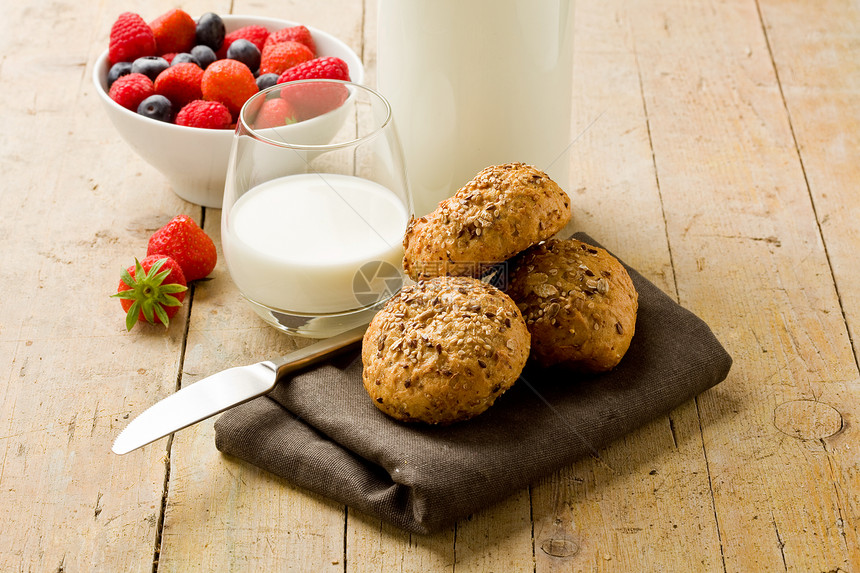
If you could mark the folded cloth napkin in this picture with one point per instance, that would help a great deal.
(320, 430)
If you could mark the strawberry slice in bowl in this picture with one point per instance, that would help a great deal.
(312, 98)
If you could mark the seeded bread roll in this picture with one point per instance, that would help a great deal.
(579, 303)
(505, 209)
(442, 350)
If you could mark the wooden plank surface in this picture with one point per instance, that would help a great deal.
(719, 156)
(738, 215)
(77, 206)
(819, 75)
(244, 516)
(644, 523)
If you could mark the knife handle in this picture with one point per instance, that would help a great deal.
(316, 352)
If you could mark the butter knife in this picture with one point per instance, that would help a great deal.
(219, 392)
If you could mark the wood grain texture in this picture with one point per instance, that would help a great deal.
(819, 76)
(739, 215)
(246, 518)
(644, 502)
(72, 218)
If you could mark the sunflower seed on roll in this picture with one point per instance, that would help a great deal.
(504, 210)
(443, 350)
(579, 303)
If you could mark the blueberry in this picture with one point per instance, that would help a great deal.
(156, 107)
(210, 30)
(116, 71)
(185, 58)
(204, 54)
(246, 52)
(266, 81)
(149, 66)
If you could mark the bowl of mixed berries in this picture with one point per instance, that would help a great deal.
(173, 87)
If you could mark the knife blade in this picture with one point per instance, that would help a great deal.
(219, 392)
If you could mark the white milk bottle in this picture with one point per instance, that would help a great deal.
(474, 83)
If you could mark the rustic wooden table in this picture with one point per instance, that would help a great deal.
(723, 162)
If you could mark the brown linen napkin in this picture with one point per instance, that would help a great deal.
(321, 431)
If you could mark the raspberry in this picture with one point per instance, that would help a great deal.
(328, 68)
(130, 38)
(274, 113)
(298, 34)
(205, 114)
(255, 34)
(229, 82)
(131, 89)
(180, 83)
(174, 31)
(276, 58)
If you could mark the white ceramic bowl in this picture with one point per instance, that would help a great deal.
(195, 160)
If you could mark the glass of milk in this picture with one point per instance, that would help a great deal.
(477, 83)
(315, 210)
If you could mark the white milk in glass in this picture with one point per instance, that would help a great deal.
(474, 83)
(295, 243)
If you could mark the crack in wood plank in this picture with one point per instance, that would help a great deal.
(780, 543)
(811, 195)
(711, 488)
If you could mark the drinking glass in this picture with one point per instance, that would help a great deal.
(315, 206)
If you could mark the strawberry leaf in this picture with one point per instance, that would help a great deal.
(131, 315)
(162, 315)
(171, 301)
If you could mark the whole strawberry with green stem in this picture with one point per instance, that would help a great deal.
(185, 242)
(151, 290)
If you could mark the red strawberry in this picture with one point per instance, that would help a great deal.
(130, 38)
(314, 98)
(180, 84)
(274, 113)
(276, 58)
(174, 31)
(151, 290)
(205, 114)
(131, 89)
(253, 33)
(230, 82)
(293, 34)
(185, 242)
(328, 68)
